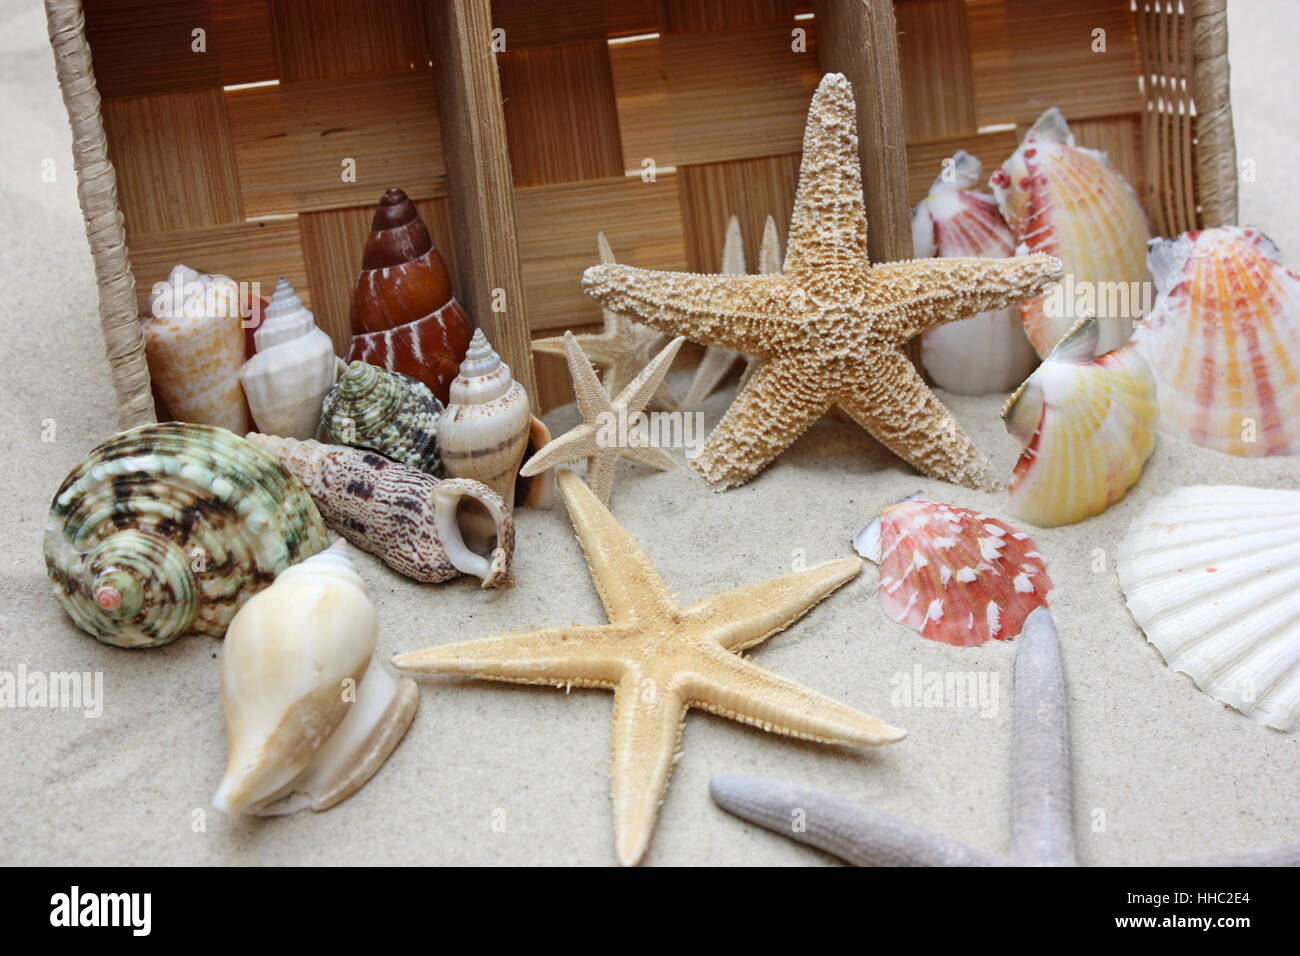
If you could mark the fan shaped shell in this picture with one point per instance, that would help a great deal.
(1212, 576)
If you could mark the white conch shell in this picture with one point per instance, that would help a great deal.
(294, 367)
(1212, 576)
(484, 428)
(194, 343)
(301, 732)
(988, 352)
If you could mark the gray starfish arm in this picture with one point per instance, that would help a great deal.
(1042, 824)
(1262, 856)
(855, 834)
(709, 374)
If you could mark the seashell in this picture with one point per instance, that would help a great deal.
(1223, 341)
(293, 368)
(167, 529)
(194, 345)
(406, 517)
(988, 352)
(1071, 203)
(535, 491)
(301, 732)
(1212, 576)
(1085, 427)
(956, 576)
(404, 316)
(387, 412)
(487, 423)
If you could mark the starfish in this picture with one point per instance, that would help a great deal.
(831, 328)
(621, 349)
(609, 430)
(1041, 814)
(660, 659)
(717, 361)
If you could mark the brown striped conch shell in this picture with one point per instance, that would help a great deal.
(293, 368)
(309, 718)
(404, 316)
(167, 529)
(194, 343)
(404, 516)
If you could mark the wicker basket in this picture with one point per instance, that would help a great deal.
(229, 159)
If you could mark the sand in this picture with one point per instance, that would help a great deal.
(500, 774)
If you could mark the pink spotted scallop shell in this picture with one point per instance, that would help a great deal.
(957, 576)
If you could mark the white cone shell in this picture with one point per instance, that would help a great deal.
(294, 368)
(1212, 576)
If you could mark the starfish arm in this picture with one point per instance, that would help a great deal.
(726, 684)
(829, 223)
(895, 405)
(596, 347)
(571, 446)
(638, 392)
(771, 411)
(665, 398)
(1042, 823)
(624, 577)
(601, 469)
(856, 834)
(709, 374)
(736, 312)
(560, 656)
(649, 454)
(920, 294)
(591, 397)
(647, 725)
(749, 615)
(769, 251)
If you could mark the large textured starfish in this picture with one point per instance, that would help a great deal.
(660, 659)
(1042, 824)
(830, 329)
(609, 430)
(620, 349)
(717, 361)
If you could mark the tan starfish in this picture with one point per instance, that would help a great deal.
(660, 659)
(609, 430)
(717, 361)
(620, 350)
(830, 329)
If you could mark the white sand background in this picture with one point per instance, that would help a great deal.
(1160, 769)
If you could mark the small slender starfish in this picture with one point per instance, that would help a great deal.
(609, 430)
(621, 349)
(1041, 808)
(660, 659)
(717, 361)
(830, 329)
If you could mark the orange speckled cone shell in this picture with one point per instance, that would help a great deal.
(404, 316)
(195, 362)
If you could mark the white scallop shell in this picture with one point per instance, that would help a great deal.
(1212, 576)
(302, 733)
(294, 368)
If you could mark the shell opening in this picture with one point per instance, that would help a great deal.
(458, 504)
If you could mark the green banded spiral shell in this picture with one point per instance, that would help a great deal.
(388, 412)
(167, 529)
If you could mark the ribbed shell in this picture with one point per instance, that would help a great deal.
(168, 529)
(387, 412)
(1086, 426)
(395, 511)
(1223, 341)
(484, 430)
(988, 352)
(1212, 576)
(292, 370)
(1071, 203)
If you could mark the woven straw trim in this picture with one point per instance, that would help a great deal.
(1216, 147)
(97, 190)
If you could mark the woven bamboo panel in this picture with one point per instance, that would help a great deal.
(332, 253)
(1168, 123)
(750, 189)
(934, 56)
(292, 140)
(527, 23)
(323, 39)
(143, 47)
(557, 240)
(175, 162)
(248, 252)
